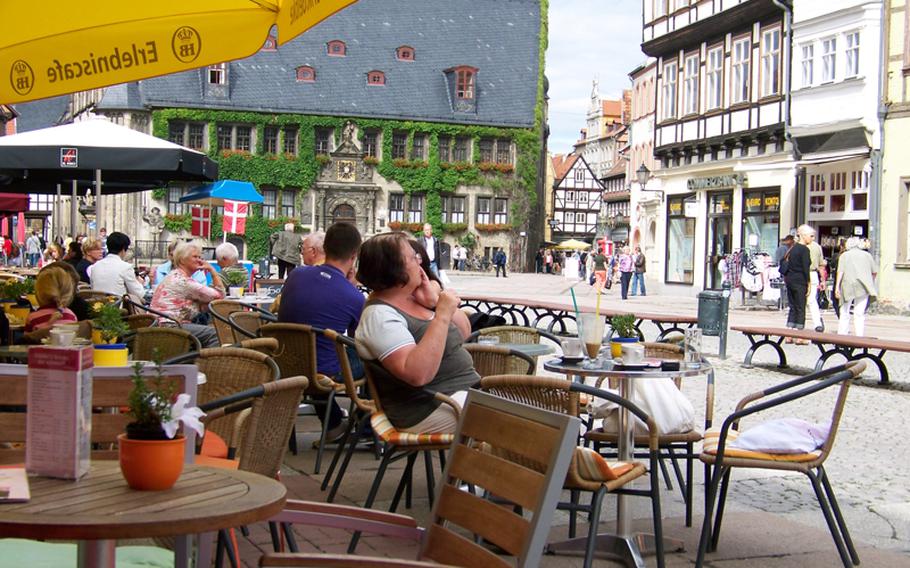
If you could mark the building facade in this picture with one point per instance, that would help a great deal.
(721, 148)
(646, 207)
(382, 116)
(577, 195)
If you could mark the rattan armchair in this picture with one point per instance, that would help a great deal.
(515, 335)
(245, 325)
(588, 471)
(133, 308)
(297, 357)
(139, 321)
(674, 446)
(92, 296)
(162, 343)
(723, 458)
(221, 310)
(266, 345)
(496, 360)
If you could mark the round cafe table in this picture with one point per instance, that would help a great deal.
(625, 544)
(100, 508)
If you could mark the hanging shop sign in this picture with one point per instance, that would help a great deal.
(717, 182)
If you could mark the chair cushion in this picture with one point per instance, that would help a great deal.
(713, 435)
(593, 467)
(391, 435)
(214, 446)
(17, 552)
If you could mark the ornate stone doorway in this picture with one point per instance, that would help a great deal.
(344, 213)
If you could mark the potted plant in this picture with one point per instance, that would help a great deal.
(13, 294)
(28, 286)
(107, 326)
(151, 451)
(236, 279)
(624, 331)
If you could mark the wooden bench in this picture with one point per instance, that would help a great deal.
(829, 345)
(555, 315)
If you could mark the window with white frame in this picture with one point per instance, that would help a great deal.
(829, 58)
(217, 74)
(570, 196)
(396, 207)
(851, 68)
(569, 217)
(453, 207)
(583, 197)
(415, 208)
(690, 104)
(807, 64)
(714, 76)
(483, 210)
(739, 87)
(668, 95)
(501, 211)
(660, 8)
(770, 62)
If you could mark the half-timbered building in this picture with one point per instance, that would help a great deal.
(577, 198)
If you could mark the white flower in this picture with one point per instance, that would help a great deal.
(189, 415)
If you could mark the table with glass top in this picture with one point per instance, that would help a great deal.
(625, 544)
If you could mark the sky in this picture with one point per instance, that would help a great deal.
(588, 39)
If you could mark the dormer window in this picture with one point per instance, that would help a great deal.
(464, 82)
(336, 48)
(405, 53)
(271, 44)
(217, 74)
(306, 74)
(375, 78)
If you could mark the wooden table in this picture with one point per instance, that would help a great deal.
(625, 544)
(100, 508)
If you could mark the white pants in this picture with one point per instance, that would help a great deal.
(859, 316)
(812, 300)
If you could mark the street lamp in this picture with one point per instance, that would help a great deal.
(643, 174)
(553, 223)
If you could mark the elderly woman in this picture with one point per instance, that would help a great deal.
(854, 285)
(228, 259)
(182, 298)
(92, 252)
(418, 348)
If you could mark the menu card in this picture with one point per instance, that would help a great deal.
(59, 419)
(13, 485)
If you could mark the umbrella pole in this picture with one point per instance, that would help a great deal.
(97, 201)
(73, 209)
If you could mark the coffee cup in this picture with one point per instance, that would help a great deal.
(572, 347)
(633, 353)
(61, 337)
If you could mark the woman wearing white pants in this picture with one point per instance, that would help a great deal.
(854, 285)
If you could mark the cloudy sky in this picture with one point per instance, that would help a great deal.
(588, 39)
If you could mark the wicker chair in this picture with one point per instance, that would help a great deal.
(496, 360)
(588, 470)
(139, 321)
(132, 308)
(166, 341)
(221, 310)
(269, 411)
(515, 334)
(297, 357)
(532, 480)
(673, 446)
(266, 345)
(245, 325)
(98, 296)
(723, 458)
(229, 370)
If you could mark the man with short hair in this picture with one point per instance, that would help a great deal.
(323, 296)
(816, 266)
(795, 269)
(313, 252)
(431, 244)
(33, 248)
(112, 274)
(285, 246)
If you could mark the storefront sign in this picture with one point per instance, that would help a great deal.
(691, 209)
(716, 182)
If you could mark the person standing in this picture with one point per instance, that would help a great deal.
(499, 260)
(638, 277)
(456, 256)
(854, 285)
(816, 266)
(434, 251)
(538, 261)
(600, 271)
(795, 269)
(286, 249)
(626, 266)
(832, 266)
(33, 248)
(549, 261)
(102, 236)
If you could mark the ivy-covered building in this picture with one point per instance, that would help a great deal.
(386, 115)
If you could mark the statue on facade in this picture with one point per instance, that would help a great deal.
(155, 221)
(347, 134)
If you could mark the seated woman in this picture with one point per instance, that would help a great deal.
(418, 347)
(55, 289)
(180, 297)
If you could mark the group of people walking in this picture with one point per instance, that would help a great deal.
(805, 271)
(628, 267)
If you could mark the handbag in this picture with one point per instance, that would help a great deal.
(822, 298)
(660, 399)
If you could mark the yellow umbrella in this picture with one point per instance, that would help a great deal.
(56, 48)
(573, 244)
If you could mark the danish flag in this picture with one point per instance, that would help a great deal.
(202, 221)
(235, 216)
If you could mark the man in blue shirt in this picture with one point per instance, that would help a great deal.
(323, 296)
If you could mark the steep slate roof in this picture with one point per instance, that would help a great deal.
(500, 38)
(121, 97)
(36, 115)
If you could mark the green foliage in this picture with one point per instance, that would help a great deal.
(235, 276)
(454, 227)
(107, 319)
(14, 289)
(624, 326)
(159, 194)
(149, 402)
(178, 223)
(468, 241)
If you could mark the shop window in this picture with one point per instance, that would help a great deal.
(680, 240)
(761, 220)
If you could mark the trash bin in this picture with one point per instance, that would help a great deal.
(713, 313)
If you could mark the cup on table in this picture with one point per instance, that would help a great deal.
(572, 347)
(692, 347)
(235, 291)
(633, 353)
(61, 337)
(592, 333)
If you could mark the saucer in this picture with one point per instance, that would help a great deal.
(571, 359)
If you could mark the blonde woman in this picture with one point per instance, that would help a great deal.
(92, 252)
(54, 289)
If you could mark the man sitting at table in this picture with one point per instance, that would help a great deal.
(323, 296)
(112, 274)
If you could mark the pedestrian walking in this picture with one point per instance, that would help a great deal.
(538, 261)
(285, 247)
(626, 266)
(549, 261)
(832, 266)
(854, 285)
(33, 248)
(600, 271)
(431, 243)
(817, 265)
(499, 260)
(638, 277)
(795, 269)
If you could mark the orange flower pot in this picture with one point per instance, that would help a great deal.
(151, 465)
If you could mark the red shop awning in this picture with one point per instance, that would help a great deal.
(13, 203)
